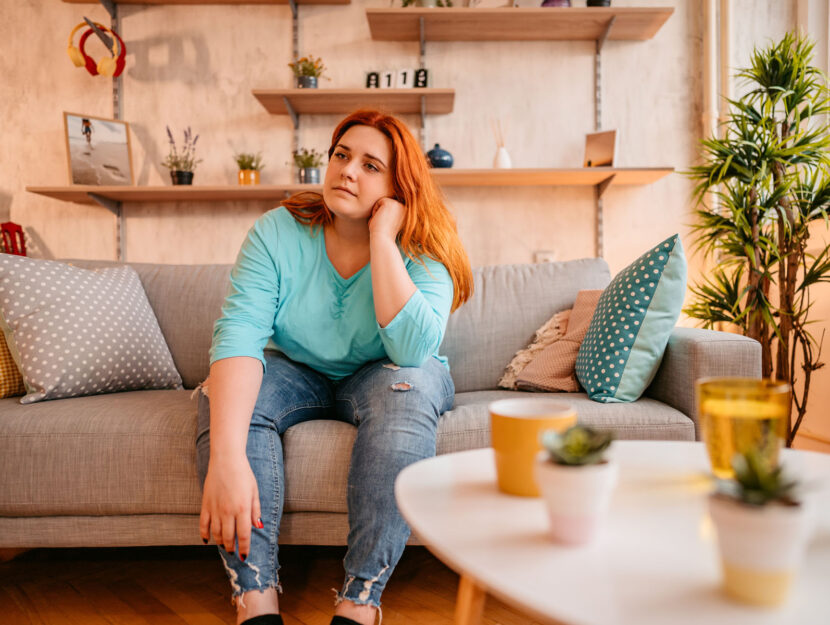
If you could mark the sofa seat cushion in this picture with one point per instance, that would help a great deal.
(123, 453)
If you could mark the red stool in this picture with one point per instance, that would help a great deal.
(13, 241)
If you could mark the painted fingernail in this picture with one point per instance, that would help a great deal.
(243, 556)
(204, 540)
(259, 524)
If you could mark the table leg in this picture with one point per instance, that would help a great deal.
(469, 605)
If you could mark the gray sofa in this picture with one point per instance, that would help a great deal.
(119, 469)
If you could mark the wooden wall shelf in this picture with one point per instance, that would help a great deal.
(195, 2)
(82, 194)
(592, 176)
(322, 101)
(517, 24)
(577, 177)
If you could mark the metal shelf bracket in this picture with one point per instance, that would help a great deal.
(116, 208)
(110, 6)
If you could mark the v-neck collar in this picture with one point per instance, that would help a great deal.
(337, 275)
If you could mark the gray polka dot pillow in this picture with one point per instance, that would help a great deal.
(77, 332)
(631, 326)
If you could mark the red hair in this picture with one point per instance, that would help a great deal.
(428, 226)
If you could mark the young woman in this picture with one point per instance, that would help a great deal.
(343, 285)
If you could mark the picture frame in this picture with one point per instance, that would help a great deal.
(600, 149)
(98, 150)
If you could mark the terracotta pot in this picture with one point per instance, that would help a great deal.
(760, 547)
(576, 497)
(248, 176)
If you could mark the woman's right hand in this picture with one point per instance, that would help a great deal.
(230, 504)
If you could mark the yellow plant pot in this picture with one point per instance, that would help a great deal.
(248, 176)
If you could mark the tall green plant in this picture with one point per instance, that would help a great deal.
(769, 177)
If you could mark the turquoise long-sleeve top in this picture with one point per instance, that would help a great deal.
(285, 293)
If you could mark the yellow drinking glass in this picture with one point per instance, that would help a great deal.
(738, 415)
(515, 427)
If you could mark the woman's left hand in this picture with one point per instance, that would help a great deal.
(387, 218)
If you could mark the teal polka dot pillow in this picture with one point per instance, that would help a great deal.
(632, 324)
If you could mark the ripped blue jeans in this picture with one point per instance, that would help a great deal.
(394, 429)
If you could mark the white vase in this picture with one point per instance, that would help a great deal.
(576, 497)
(502, 160)
(760, 547)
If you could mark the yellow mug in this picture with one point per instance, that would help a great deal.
(515, 426)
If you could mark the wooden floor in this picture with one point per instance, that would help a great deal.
(187, 585)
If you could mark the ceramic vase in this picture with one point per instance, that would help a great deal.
(760, 547)
(248, 176)
(576, 497)
(309, 175)
(502, 159)
(439, 158)
(557, 3)
(181, 177)
(306, 82)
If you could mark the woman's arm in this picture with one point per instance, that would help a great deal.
(230, 500)
(411, 310)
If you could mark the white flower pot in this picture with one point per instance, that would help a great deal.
(576, 497)
(760, 547)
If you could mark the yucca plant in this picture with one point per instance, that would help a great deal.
(760, 188)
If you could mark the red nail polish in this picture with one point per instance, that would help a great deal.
(259, 524)
(205, 540)
(243, 556)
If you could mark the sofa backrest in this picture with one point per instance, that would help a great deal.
(509, 304)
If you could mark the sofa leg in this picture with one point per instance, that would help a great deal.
(10, 553)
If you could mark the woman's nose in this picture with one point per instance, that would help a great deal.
(349, 170)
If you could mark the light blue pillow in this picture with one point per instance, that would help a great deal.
(631, 325)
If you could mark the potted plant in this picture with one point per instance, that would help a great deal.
(182, 163)
(762, 530)
(427, 4)
(762, 190)
(249, 167)
(307, 70)
(576, 481)
(308, 164)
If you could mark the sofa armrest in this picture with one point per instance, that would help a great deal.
(692, 354)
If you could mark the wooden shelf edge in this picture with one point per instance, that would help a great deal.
(439, 101)
(208, 2)
(589, 176)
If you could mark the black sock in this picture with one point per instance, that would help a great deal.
(342, 620)
(264, 619)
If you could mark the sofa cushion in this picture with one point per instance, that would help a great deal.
(77, 332)
(123, 453)
(632, 324)
(187, 300)
(509, 304)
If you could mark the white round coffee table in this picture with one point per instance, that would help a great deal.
(654, 563)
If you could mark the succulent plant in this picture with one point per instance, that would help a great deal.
(305, 158)
(578, 445)
(758, 482)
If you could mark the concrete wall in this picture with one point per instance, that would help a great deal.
(196, 66)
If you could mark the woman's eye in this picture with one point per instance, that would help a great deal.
(340, 155)
(372, 167)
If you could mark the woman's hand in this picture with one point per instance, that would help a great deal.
(230, 504)
(387, 218)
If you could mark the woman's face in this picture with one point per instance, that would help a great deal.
(359, 173)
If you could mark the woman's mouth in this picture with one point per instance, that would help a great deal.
(345, 190)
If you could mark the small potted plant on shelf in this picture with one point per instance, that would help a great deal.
(307, 70)
(182, 163)
(762, 529)
(249, 167)
(576, 481)
(308, 164)
(427, 4)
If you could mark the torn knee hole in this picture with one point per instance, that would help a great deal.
(401, 387)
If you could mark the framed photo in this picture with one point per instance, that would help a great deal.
(98, 150)
(600, 149)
